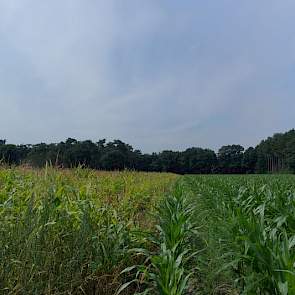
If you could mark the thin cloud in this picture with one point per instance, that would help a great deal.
(159, 75)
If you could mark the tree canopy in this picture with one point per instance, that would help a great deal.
(274, 154)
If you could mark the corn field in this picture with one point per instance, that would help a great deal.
(81, 231)
(247, 229)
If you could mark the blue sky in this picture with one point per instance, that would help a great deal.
(156, 74)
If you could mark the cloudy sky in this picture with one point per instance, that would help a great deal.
(158, 74)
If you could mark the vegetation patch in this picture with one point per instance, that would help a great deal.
(247, 230)
(80, 231)
(166, 269)
(70, 232)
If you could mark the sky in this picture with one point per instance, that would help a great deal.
(157, 74)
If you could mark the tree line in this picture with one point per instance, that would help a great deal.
(275, 154)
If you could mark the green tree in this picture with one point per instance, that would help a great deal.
(230, 158)
(249, 160)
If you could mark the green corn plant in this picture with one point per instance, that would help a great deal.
(250, 225)
(165, 271)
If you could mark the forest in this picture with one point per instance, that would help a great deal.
(274, 154)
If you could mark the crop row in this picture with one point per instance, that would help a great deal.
(248, 232)
(165, 269)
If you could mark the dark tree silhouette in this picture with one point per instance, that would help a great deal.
(275, 154)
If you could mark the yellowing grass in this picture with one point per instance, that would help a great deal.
(70, 231)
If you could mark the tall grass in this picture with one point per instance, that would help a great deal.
(70, 232)
(86, 232)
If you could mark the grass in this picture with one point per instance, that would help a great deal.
(69, 232)
(86, 232)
